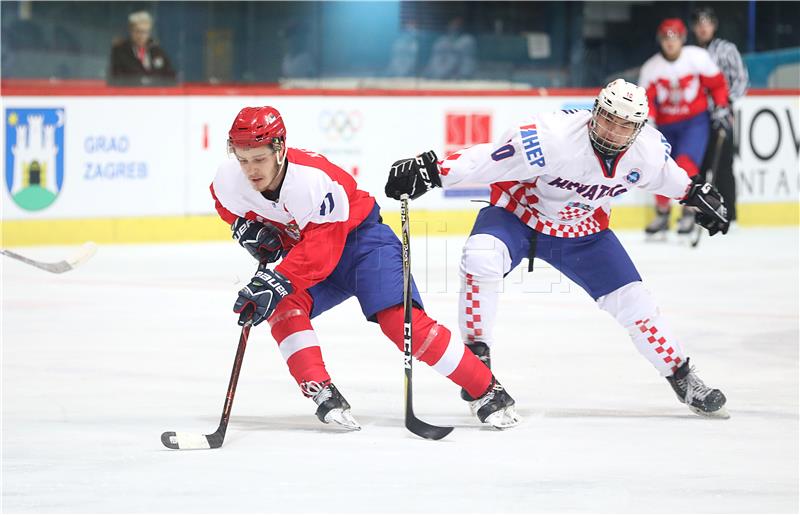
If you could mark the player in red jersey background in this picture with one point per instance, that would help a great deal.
(678, 81)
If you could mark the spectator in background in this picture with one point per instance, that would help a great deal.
(726, 56)
(678, 81)
(405, 52)
(454, 53)
(298, 62)
(139, 59)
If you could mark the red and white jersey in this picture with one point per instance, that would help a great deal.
(678, 90)
(548, 174)
(317, 206)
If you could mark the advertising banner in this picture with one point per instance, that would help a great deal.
(113, 156)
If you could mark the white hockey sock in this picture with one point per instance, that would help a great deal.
(635, 309)
(483, 262)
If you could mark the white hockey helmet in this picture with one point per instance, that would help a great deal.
(620, 111)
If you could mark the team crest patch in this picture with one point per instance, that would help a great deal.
(34, 156)
(633, 176)
(574, 210)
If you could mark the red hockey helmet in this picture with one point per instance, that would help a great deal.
(256, 127)
(672, 27)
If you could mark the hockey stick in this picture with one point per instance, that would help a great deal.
(86, 251)
(175, 440)
(720, 140)
(413, 424)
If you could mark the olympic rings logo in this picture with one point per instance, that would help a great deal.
(340, 125)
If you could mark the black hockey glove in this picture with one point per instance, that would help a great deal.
(413, 176)
(713, 215)
(722, 118)
(260, 297)
(262, 241)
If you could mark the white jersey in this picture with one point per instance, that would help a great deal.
(549, 175)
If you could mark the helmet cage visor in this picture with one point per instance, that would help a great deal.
(611, 134)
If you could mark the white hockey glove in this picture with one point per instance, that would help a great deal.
(722, 118)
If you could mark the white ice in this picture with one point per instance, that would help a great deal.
(98, 362)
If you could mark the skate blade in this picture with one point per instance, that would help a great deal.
(342, 418)
(721, 413)
(657, 237)
(504, 419)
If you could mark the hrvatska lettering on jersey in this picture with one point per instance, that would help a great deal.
(593, 192)
(547, 173)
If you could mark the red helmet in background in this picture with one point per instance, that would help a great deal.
(256, 127)
(672, 27)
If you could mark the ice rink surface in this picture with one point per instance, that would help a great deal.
(98, 362)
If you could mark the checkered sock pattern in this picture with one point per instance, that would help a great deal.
(654, 342)
(472, 309)
(477, 309)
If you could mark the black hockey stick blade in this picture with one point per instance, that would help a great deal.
(425, 430)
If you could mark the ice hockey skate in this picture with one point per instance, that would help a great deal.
(686, 221)
(331, 405)
(657, 229)
(481, 350)
(705, 401)
(496, 407)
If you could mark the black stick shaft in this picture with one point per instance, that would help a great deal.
(237, 367)
(413, 424)
(407, 352)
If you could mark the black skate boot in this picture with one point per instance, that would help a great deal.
(694, 393)
(496, 407)
(481, 350)
(659, 226)
(686, 221)
(331, 405)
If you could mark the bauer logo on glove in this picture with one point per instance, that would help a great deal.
(261, 296)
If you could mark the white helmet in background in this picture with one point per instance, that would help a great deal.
(620, 112)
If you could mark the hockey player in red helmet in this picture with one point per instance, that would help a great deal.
(679, 81)
(552, 180)
(298, 209)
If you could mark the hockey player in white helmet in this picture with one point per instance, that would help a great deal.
(552, 179)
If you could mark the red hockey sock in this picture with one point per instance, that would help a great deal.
(432, 344)
(297, 341)
(662, 203)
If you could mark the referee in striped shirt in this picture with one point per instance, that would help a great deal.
(725, 54)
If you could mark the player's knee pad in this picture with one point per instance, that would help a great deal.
(293, 314)
(629, 304)
(486, 257)
(430, 340)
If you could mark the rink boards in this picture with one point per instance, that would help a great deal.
(114, 167)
